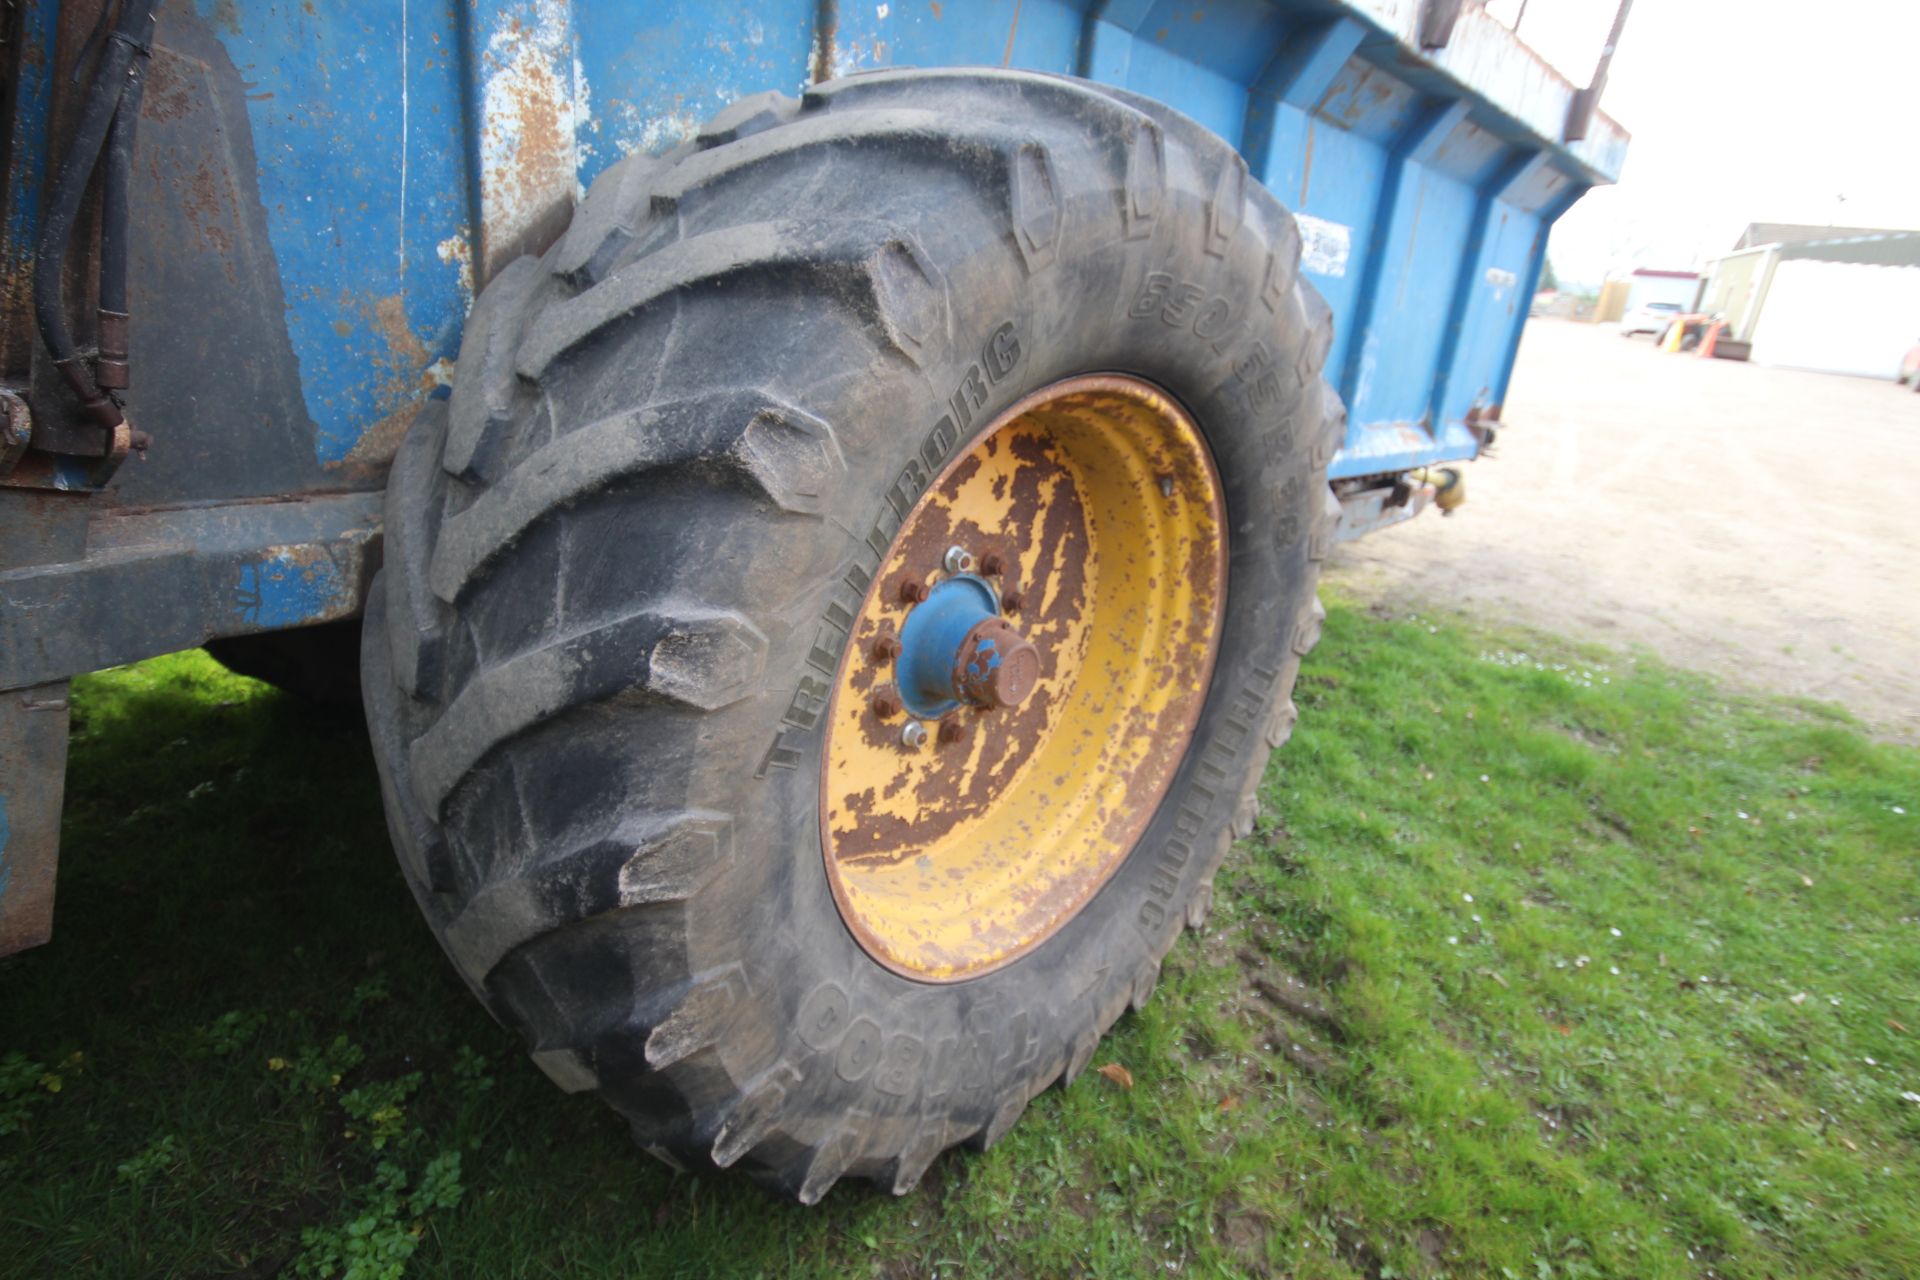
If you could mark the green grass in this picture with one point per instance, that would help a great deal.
(243, 1054)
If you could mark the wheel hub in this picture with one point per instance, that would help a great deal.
(1023, 678)
(956, 649)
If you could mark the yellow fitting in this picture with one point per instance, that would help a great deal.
(1449, 486)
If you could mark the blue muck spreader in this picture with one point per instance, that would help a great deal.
(821, 504)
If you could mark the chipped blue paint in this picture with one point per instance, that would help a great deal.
(1033, 35)
(656, 72)
(33, 98)
(282, 591)
(1384, 446)
(72, 475)
(377, 144)
(355, 108)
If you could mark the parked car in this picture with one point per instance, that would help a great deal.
(1648, 317)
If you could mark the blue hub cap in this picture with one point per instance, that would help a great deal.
(956, 650)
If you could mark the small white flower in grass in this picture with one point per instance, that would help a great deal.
(1872, 1063)
(1614, 969)
(1798, 997)
(1614, 932)
(1581, 962)
(1741, 814)
(1833, 1000)
(1899, 810)
(1910, 1095)
(1484, 778)
(1476, 919)
(1467, 897)
(1453, 941)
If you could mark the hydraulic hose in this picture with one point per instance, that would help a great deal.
(111, 369)
(131, 37)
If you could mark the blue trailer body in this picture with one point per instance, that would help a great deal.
(406, 150)
(321, 189)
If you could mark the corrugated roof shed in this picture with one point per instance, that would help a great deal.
(1759, 233)
(1876, 248)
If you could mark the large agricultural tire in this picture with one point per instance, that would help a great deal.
(621, 562)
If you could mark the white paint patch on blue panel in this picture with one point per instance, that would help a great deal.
(1369, 362)
(1502, 280)
(531, 80)
(1324, 246)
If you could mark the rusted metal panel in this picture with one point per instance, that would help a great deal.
(528, 95)
(26, 106)
(33, 770)
(155, 581)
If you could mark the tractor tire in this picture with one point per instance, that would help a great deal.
(621, 560)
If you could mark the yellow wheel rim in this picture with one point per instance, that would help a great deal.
(1092, 511)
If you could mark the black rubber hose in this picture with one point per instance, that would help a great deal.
(113, 373)
(131, 34)
(113, 198)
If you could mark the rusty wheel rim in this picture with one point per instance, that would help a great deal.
(1087, 522)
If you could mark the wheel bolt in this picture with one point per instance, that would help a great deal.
(1011, 601)
(912, 591)
(886, 704)
(886, 649)
(991, 564)
(951, 730)
(959, 560)
(913, 735)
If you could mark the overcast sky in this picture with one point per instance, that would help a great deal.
(1762, 111)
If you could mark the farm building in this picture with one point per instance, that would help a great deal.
(1831, 299)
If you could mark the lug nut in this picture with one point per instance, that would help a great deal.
(959, 560)
(886, 649)
(992, 565)
(912, 590)
(951, 730)
(886, 704)
(1011, 601)
(913, 735)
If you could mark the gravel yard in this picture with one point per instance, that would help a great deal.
(1747, 521)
